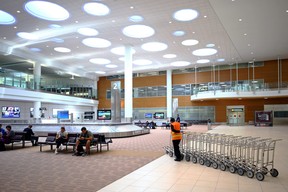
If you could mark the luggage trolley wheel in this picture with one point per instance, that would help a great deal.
(250, 174)
(208, 163)
(215, 165)
(232, 169)
(194, 159)
(187, 158)
(201, 161)
(171, 154)
(240, 171)
(274, 172)
(264, 170)
(222, 167)
(260, 176)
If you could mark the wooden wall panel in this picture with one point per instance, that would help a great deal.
(267, 72)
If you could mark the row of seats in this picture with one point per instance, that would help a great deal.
(99, 141)
(19, 137)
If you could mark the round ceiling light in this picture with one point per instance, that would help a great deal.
(87, 31)
(204, 52)
(97, 9)
(201, 61)
(178, 33)
(6, 18)
(138, 31)
(62, 49)
(185, 15)
(100, 61)
(169, 56)
(190, 42)
(46, 10)
(28, 36)
(111, 66)
(154, 46)
(180, 63)
(96, 42)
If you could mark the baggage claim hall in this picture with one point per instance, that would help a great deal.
(123, 69)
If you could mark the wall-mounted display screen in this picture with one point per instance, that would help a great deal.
(148, 115)
(10, 112)
(55, 111)
(104, 114)
(63, 114)
(159, 115)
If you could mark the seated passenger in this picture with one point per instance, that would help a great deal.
(85, 139)
(2, 134)
(9, 135)
(61, 138)
(29, 135)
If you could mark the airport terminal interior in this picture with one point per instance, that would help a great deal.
(123, 69)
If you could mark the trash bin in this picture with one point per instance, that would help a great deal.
(209, 124)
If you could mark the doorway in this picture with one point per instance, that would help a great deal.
(235, 115)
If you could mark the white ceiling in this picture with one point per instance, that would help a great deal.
(265, 23)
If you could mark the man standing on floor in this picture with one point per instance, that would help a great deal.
(176, 138)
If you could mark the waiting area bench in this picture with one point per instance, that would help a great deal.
(99, 141)
(19, 137)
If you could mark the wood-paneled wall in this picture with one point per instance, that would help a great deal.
(269, 72)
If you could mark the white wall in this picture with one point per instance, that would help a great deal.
(25, 109)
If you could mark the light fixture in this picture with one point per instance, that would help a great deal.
(169, 56)
(190, 42)
(46, 10)
(154, 46)
(204, 52)
(28, 36)
(96, 42)
(97, 9)
(138, 31)
(87, 31)
(185, 15)
(180, 63)
(100, 61)
(6, 18)
(62, 49)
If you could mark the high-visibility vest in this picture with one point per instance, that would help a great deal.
(176, 136)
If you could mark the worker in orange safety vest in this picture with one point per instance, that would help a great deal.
(176, 136)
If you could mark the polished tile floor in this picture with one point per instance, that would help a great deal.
(166, 175)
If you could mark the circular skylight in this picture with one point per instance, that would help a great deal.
(204, 52)
(111, 66)
(100, 61)
(6, 18)
(203, 61)
(138, 31)
(120, 51)
(136, 18)
(62, 49)
(96, 42)
(28, 36)
(185, 15)
(46, 10)
(180, 63)
(100, 72)
(142, 62)
(190, 42)
(210, 45)
(34, 49)
(87, 31)
(220, 60)
(55, 26)
(154, 46)
(178, 33)
(57, 40)
(97, 9)
(169, 56)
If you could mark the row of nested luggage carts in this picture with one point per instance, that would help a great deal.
(251, 155)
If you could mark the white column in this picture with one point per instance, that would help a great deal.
(169, 92)
(128, 83)
(37, 75)
(37, 112)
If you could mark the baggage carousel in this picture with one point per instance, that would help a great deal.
(112, 130)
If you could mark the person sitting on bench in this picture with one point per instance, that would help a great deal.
(85, 139)
(29, 135)
(61, 138)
